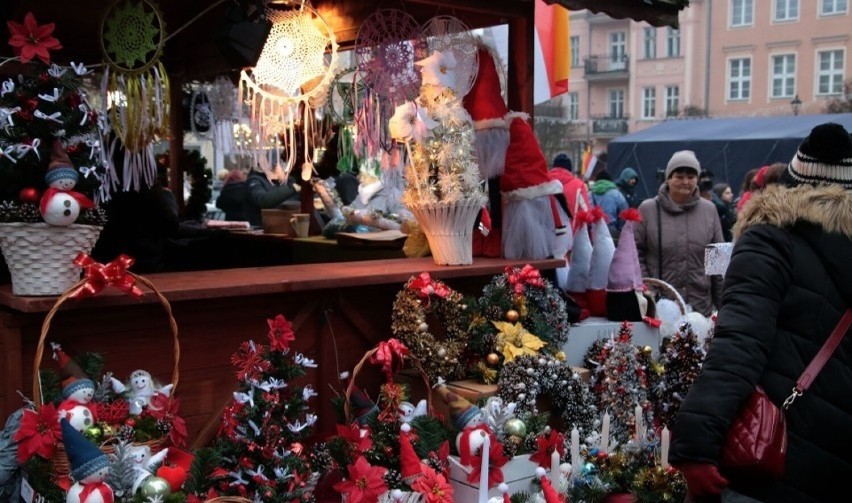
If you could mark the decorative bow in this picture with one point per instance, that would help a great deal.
(22, 148)
(80, 69)
(51, 97)
(7, 152)
(7, 87)
(7, 113)
(424, 286)
(56, 71)
(52, 117)
(526, 276)
(86, 171)
(98, 276)
(101, 487)
(84, 109)
(94, 145)
(390, 355)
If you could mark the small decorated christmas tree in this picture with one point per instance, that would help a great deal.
(682, 360)
(261, 439)
(620, 385)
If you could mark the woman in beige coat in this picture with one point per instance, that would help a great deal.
(684, 223)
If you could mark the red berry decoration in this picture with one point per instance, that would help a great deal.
(30, 195)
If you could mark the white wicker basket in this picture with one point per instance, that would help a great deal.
(449, 230)
(40, 257)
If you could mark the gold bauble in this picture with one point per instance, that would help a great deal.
(155, 486)
(515, 428)
(492, 359)
(512, 315)
(93, 433)
(646, 350)
(560, 356)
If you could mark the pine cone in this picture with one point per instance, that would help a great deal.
(393, 478)
(126, 433)
(29, 212)
(164, 426)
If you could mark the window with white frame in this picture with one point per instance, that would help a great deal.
(672, 100)
(649, 102)
(830, 71)
(742, 12)
(616, 103)
(650, 42)
(575, 51)
(786, 10)
(783, 75)
(617, 50)
(831, 7)
(572, 103)
(672, 42)
(739, 79)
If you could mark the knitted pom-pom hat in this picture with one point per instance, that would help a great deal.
(825, 156)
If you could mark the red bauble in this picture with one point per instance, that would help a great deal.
(31, 104)
(73, 149)
(30, 195)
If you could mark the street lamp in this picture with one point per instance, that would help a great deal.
(796, 104)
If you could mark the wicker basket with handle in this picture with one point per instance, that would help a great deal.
(59, 461)
(667, 291)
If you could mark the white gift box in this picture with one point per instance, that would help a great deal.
(517, 474)
(582, 335)
(717, 256)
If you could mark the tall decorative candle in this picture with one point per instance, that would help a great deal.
(664, 447)
(483, 474)
(555, 473)
(640, 423)
(604, 446)
(575, 451)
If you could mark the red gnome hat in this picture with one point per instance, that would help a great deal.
(410, 467)
(550, 494)
(484, 102)
(504, 490)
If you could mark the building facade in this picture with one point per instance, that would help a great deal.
(729, 58)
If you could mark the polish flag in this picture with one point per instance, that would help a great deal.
(553, 52)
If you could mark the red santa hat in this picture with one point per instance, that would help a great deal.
(484, 102)
(550, 494)
(504, 490)
(603, 249)
(625, 289)
(410, 466)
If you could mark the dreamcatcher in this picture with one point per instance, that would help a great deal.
(223, 105)
(385, 47)
(448, 34)
(291, 77)
(135, 86)
(198, 114)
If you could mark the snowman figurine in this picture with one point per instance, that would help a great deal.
(60, 205)
(89, 468)
(77, 406)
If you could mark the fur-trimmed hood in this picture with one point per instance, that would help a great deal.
(828, 206)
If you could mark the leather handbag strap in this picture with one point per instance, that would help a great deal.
(821, 358)
(659, 240)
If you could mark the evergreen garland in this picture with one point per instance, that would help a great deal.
(682, 359)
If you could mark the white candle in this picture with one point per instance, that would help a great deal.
(575, 450)
(640, 424)
(483, 474)
(604, 445)
(664, 447)
(555, 473)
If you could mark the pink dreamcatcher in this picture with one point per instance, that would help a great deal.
(385, 48)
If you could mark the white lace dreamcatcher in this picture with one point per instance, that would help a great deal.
(291, 78)
(448, 34)
(222, 95)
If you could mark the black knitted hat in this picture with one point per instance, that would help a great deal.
(825, 156)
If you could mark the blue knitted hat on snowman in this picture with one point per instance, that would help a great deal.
(84, 456)
(76, 385)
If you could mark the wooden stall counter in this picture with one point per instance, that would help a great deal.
(338, 310)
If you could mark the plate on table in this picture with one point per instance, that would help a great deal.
(389, 239)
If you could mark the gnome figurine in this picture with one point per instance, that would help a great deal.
(77, 392)
(410, 467)
(60, 204)
(467, 419)
(626, 298)
(89, 468)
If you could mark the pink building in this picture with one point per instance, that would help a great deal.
(761, 55)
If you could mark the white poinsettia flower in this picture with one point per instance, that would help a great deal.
(410, 122)
(439, 69)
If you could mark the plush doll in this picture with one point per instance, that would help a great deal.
(89, 468)
(408, 411)
(60, 205)
(78, 392)
(144, 463)
(140, 390)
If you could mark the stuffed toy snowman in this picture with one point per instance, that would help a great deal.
(60, 205)
(78, 391)
(140, 390)
(89, 468)
(467, 419)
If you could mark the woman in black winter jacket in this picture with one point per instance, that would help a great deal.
(788, 284)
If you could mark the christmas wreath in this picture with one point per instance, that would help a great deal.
(519, 313)
(527, 378)
(423, 298)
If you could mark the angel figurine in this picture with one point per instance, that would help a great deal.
(140, 390)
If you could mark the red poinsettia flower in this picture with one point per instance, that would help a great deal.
(365, 484)
(31, 40)
(249, 361)
(545, 445)
(166, 409)
(360, 442)
(496, 460)
(441, 458)
(39, 432)
(434, 487)
(280, 333)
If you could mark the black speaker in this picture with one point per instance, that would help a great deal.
(240, 39)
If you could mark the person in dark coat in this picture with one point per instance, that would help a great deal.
(722, 198)
(627, 180)
(788, 284)
(264, 192)
(233, 197)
